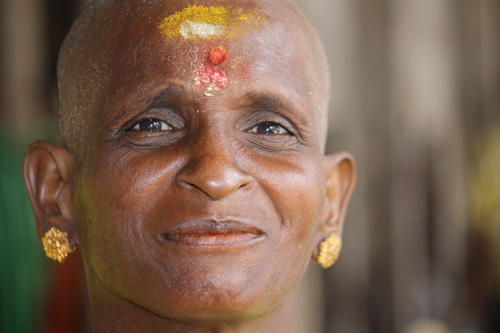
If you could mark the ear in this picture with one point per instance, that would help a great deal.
(340, 179)
(48, 176)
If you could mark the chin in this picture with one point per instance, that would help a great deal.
(214, 299)
(215, 308)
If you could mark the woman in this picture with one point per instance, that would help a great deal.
(192, 174)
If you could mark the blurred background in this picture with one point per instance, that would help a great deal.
(416, 99)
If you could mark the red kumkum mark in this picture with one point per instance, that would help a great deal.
(210, 78)
(217, 56)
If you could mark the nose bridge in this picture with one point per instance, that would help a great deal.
(213, 168)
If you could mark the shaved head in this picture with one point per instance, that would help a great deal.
(94, 47)
(193, 176)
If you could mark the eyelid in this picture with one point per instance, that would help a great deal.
(138, 122)
(263, 116)
(270, 123)
(167, 115)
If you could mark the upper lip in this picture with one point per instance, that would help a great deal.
(213, 227)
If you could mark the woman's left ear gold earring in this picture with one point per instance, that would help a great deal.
(329, 251)
(56, 245)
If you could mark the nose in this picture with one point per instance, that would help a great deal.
(215, 173)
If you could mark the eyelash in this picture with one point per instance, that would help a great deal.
(151, 125)
(267, 125)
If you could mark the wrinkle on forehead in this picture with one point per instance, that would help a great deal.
(93, 47)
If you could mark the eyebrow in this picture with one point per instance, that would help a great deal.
(265, 101)
(275, 103)
(172, 92)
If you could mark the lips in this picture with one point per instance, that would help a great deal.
(209, 233)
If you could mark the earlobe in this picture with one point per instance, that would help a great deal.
(340, 173)
(48, 171)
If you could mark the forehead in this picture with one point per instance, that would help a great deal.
(171, 45)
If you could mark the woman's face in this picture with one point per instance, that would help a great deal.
(196, 203)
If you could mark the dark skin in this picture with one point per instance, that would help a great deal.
(196, 213)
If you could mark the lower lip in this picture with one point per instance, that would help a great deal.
(213, 241)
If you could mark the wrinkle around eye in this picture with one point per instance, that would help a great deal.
(273, 143)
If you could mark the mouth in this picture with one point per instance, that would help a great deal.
(212, 234)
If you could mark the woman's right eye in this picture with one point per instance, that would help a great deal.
(151, 125)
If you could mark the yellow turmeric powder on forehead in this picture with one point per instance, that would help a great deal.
(209, 22)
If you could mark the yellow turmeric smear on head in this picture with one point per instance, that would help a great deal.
(209, 22)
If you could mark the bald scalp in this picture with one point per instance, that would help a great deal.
(92, 47)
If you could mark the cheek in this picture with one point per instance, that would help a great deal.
(110, 205)
(298, 193)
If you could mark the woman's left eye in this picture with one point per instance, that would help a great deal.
(269, 128)
(151, 125)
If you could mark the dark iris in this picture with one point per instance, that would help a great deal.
(270, 128)
(150, 125)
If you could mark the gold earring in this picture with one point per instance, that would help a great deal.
(56, 245)
(329, 251)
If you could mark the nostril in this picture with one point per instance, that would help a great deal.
(217, 177)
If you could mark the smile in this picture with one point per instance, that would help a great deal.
(212, 234)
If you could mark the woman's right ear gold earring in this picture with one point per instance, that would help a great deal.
(56, 245)
(329, 251)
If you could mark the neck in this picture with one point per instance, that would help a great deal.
(111, 313)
